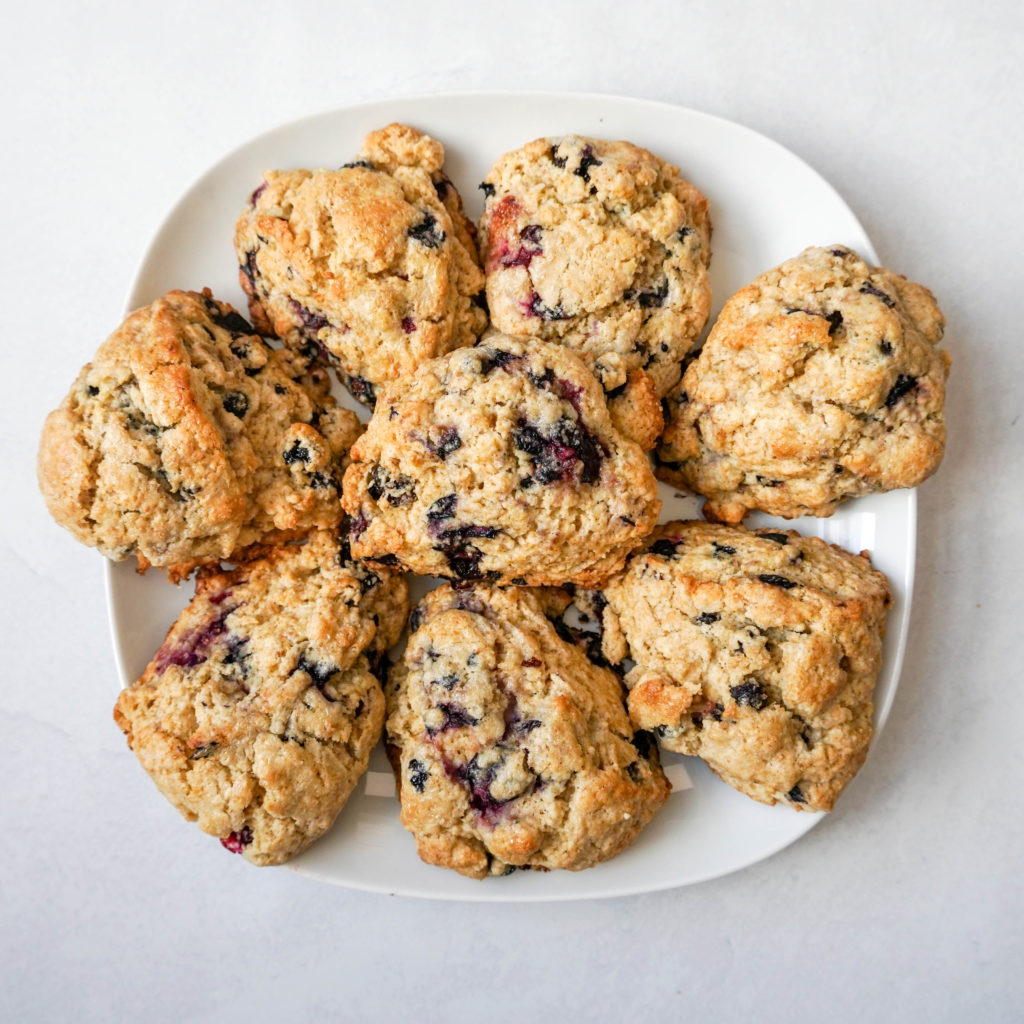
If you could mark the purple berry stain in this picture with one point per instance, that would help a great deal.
(237, 841)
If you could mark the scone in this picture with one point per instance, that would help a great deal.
(257, 715)
(820, 381)
(499, 463)
(756, 651)
(512, 749)
(188, 438)
(603, 247)
(374, 262)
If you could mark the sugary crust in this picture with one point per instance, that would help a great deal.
(756, 651)
(820, 381)
(511, 748)
(257, 716)
(187, 439)
(601, 246)
(375, 261)
(499, 463)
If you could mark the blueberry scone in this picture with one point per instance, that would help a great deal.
(499, 463)
(756, 651)
(512, 749)
(820, 381)
(188, 438)
(374, 262)
(257, 715)
(603, 247)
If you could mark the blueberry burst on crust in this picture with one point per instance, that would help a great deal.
(499, 464)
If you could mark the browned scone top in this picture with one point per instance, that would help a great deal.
(188, 438)
(757, 651)
(513, 749)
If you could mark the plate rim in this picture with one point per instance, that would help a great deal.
(882, 711)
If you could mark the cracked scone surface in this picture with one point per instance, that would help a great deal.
(499, 463)
(756, 651)
(603, 247)
(512, 749)
(257, 715)
(375, 261)
(820, 381)
(188, 438)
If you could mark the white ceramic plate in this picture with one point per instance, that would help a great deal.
(766, 206)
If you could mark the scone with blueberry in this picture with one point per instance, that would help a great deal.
(757, 651)
(820, 381)
(499, 463)
(603, 247)
(512, 749)
(373, 262)
(257, 715)
(188, 438)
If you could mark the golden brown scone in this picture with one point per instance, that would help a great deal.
(820, 381)
(603, 247)
(756, 651)
(499, 463)
(512, 749)
(257, 715)
(188, 438)
(374, 262)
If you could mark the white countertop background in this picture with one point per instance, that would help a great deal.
(905, 905)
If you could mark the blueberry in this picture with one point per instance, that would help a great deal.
(556, 158)
(237, 841)
(310, 321)
(531, 233)
(796, 795)
(706, 618)
(416, 619)
(885, 347)
(418, 775)
(554, 457)
(751, 694)
(835, 321)
(91, 391)
(649, 298)
(448, 441)
(904, 383)
(449, 681)
(359, 163)
(322, 480)
(537, 308)
(869, 289)
(408, 324)
(428, 232)
(319, 671)
(490, 358)
(362, 389)
(232, 321)
(249, 268)
(455, 717)
(664, 547)
(683, 232)
(587, 160)
(487, 188)
(627, 520)
(257, 192)
(236, 403)
(192, 647)
(779, 538)
(399, 489)
(709, 710)
(776, 581)
(384, 559)
(443, 508)
(441, 187)
(298, 452)
(357, 527)
(722, 549)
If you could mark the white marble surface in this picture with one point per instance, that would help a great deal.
(905, 905)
